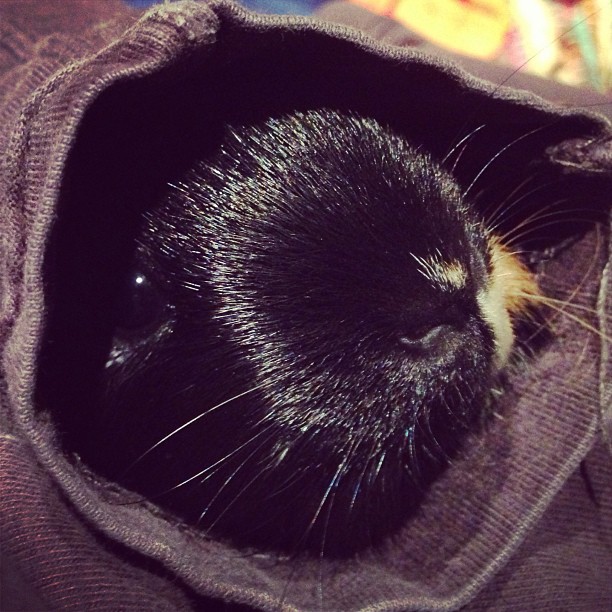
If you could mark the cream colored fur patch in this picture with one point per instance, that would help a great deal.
(511, 292)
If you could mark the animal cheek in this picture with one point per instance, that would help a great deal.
(494, 312)
(510, 294)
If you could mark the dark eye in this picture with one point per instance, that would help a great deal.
(140, 307)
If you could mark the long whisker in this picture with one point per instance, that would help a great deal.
(213, 466)
(509, 254)
(227, 482)
(550, 209)
(187, 424)
(347, 456)
(551, 304)
(519, 234)
(371, 457)
(316, 515)
(574, 291)
(506, 210)
(523, 230)
(501, 152)
(519, 68)
(569, 304)
(462, 141)
(544, 48)
(508, 205)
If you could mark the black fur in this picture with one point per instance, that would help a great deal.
(281, 271)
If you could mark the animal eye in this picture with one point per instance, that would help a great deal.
(140, 306)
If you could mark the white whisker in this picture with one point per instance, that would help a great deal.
(498, 154)
(188, 423)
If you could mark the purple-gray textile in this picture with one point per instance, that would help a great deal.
(522, 521)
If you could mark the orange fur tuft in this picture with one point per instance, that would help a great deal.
(519, 287)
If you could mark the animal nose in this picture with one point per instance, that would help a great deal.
(434, 338)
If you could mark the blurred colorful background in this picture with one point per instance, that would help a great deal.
(569, 41)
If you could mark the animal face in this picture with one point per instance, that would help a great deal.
(312, 322)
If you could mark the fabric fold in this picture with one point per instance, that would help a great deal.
(114, 105)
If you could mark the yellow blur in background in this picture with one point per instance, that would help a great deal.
(566, 40)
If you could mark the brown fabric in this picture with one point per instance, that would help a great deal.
(502, 522)
(563, 564)
(68, 562)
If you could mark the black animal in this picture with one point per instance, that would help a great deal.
(312, 321)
